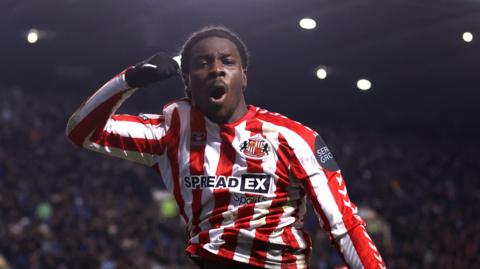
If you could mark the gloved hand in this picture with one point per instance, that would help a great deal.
(156, 68)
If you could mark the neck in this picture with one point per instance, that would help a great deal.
(239, 112)
(229, 116)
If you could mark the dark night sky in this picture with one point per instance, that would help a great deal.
(423, 73)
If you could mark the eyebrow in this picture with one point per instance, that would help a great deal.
(210, 55)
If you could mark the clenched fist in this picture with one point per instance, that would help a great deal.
(156, 68)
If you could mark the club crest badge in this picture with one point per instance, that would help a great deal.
(256, 147)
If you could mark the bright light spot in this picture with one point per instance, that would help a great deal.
(364, 84)
(321, 73)
(307, 23)
(32, 36)
(178, 59)
(467, 37)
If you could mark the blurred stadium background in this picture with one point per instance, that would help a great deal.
(408, 145)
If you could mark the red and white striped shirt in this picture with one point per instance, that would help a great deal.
(241, 187)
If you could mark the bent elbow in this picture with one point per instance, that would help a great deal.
(72, 132)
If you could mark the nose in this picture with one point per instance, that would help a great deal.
(216, 69)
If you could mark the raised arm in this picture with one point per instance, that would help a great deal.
(137, 138)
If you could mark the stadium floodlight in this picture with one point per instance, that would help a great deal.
(321, 73)
(467, 37)
(364, 84)
(307, 23)
(32, 36)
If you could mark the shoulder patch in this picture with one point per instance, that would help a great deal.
(324, 156)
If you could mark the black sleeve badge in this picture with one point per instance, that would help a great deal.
(324, 156)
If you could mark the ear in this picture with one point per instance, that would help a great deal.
(186, 81)
(244, 86)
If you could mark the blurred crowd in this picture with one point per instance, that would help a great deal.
(61, 207)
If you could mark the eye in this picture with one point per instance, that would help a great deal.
(228, 61)
(201, 63)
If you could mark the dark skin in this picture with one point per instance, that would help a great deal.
(217, 80)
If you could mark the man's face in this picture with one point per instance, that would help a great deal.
(216, 79)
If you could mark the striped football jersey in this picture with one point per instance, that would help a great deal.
(240, 187)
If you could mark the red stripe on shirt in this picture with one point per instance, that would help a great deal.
(172, 154)
(291, 242)
(132, 118)
(141, 145)
(299, 172)
(198, 140)
(222, 195)
(288, 258)
(262, 234)
(245, 212)
(362, 245)
(298, 128)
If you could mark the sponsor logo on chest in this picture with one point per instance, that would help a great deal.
(253, 183)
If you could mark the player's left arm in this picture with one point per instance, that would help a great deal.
(315, 165)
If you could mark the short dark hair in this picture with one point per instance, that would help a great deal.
(212, 31)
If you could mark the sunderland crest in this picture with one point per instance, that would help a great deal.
(255, 147)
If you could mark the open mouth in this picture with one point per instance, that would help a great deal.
(218, 93)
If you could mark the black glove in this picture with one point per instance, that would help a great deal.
(156, 68)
